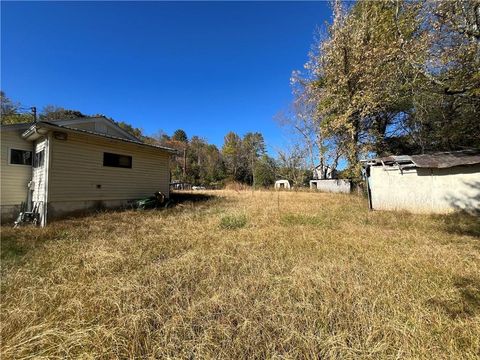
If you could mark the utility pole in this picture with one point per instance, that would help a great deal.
(34, 112)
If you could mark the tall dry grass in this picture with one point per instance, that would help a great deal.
(297, 275)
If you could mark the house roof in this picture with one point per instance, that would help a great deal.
(32, 130)
(438, 160)
(72, 122)
(18, 126)
(97, 119)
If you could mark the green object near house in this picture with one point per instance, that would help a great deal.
(151, 202)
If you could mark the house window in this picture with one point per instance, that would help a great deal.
(20, 157)
(39, 159)
(117, 160)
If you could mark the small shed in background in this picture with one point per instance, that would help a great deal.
(432, 183)
(282, 184)
(332, 185)
(325, 180)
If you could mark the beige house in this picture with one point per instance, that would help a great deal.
(431, 183)
(71, 165)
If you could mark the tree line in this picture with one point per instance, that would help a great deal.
(385, 77)
(242, 159)
(389, 77)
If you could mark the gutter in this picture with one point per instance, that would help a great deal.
(33, 130)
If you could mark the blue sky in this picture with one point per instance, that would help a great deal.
(205, 67)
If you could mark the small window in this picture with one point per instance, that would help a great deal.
(20, 157)
(39, 159)
(116, 160)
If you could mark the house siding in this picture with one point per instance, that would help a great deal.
(425, 190)
(14, 178)
(78, 179)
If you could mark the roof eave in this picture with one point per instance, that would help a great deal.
(32, 132)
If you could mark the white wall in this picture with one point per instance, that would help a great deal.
(282, 184)
(333, 186)
(425, 190)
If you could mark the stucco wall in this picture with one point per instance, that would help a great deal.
(61, 209)
(333, 186)
(425, 190)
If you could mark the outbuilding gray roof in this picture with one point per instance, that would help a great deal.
(438, 160)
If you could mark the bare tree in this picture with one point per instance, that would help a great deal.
(292, 165)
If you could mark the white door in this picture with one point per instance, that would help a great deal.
(39, 178)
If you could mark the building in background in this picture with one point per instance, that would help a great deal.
(431, 183)
(282, 184)
(325, 179)
(323, 172)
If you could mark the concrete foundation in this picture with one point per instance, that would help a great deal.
(61, 209)
(9, 213)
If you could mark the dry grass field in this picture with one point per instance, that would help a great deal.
(244, 275)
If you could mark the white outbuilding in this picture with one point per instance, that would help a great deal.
(343, 186)
(431, 183)
(325, 180)
(282, 184)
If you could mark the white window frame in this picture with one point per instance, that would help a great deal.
(43, 148)
(10, 156)
(117, 167)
